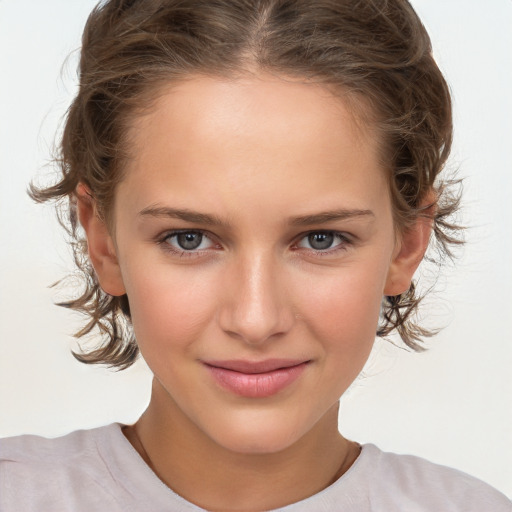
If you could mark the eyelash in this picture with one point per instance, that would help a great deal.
(343, 245)
(167, 247)
(344, 242)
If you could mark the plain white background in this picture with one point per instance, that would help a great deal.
(451, 404)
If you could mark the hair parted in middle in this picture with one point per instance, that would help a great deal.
(375, 54)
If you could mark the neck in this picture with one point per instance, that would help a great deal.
(181, 455)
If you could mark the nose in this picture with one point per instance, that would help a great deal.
(254, 305)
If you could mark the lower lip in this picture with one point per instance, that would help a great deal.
(256, 385)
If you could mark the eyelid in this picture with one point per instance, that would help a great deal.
(173, 232)
(162, 238)
(346, 241)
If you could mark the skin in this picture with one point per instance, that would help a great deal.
(266, 158)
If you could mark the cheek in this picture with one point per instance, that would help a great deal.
(343, 309)
(169, 306)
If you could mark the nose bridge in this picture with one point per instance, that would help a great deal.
(256, 307)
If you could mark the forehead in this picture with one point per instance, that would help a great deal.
(255, 134)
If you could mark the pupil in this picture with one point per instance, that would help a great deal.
(321, 241)
(189, 241)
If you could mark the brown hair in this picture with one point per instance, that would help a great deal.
(377, 50)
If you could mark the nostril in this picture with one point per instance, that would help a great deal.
(257, 329)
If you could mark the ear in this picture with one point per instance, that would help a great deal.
(408, 255)
(102, 251)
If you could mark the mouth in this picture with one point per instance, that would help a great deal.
(259, 379)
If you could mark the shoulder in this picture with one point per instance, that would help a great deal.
(34, 468)
(34, 451)
(425, 486)
(36, 448)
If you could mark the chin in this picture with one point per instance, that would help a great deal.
(258, 435)
(258, 443)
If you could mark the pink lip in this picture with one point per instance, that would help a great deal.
(256, 379)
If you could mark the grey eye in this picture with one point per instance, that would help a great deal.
(189, 241)
(321, 241)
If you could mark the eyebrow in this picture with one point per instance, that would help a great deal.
(329, 216)
(183, 214)
(213, 220)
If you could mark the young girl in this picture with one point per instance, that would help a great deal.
(257, 182)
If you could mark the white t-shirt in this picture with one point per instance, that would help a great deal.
(99, 470)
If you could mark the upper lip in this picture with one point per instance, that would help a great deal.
(268, 365)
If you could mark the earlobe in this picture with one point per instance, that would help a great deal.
(408, 255)
(101, 248)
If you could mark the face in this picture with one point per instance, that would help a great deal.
(254, 238)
